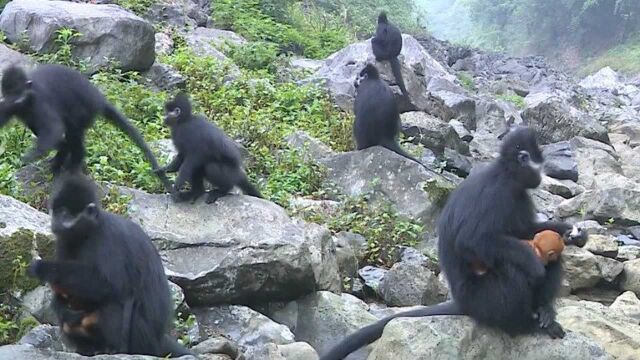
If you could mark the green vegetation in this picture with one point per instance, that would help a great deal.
(466, 80)
(515, 99)
(383, 228)
(624, 58)
(136, 6)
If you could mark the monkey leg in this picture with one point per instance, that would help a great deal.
(75, 142)
(224, 177)
(60, 158)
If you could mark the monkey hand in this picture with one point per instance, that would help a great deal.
(576, 236)
(35, 269)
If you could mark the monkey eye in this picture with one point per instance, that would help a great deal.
(177, 111)
(523, 157)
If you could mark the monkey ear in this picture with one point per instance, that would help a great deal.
(91, 210)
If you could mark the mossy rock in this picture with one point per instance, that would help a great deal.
(16, 253)
(438, 190)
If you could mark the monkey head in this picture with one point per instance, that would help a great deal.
(368, 72)
(522, 157)
(382, 18)
(75, 208)
(548, 245)
(16, 90)
(177, 110)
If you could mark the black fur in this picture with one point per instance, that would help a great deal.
(387, 45)
(377, 117)
(483, 221)
(109, 263)
(59, 104)
(204, 152)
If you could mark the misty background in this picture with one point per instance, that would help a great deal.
(580, 35)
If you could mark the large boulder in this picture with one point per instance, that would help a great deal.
(581, 268)
(431, 132)
(559, 161)
(616, 333)
(177, 13)
(418, 70)
(631, 276)
(28, 352)
(323, 318)
(239, 250)
(556, 120)
(108, 32)
(446, 337)
(618, 203)
(413, 190)
(242, 325)
(598, 163)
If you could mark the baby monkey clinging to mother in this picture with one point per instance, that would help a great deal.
(204, 152)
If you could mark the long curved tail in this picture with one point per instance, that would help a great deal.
(395, 147)
(370, 333)
(248, 188)
(397, 73)
(113, 115)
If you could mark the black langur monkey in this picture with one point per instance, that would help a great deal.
(204, 152)
(109, 268)
(483, 222)
(387, 45)
(58, 104)
(377, 116)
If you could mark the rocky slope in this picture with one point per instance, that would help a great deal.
(263, 284)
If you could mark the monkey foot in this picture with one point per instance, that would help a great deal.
(213, 196)
(554, 330)
(546, 316)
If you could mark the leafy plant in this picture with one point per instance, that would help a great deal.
(383, 228)
(515, 99)
(467, 81)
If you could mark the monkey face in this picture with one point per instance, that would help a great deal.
(172, 116)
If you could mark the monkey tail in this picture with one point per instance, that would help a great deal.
(113, 115)
(248, 188)
(395, 147)
(370, 333)
(396, 69)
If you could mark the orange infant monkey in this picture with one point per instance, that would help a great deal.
(547, 244)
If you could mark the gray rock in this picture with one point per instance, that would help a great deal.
(592, 227)
(628, 252)
(349, 252)
(46, 337)
(390, 178)
(581, 268)
(418, 69)
(16, 215)
(218, 345)
(545, 202)
(626, 240)
(431, 132)
(28, 352)
(565, 188)
(242, 325)
(302, 64)
(619, 337)
(322, 319)
(164, 44)
(449, 105)
(177, 13)
(604, 245)
(295, 351)
(463, 133)
(555, 120)
(446, 337)
(559, 162)
(208, 41)
(240, 249)
(631, 276)
(372, 276)
(108, 31)
(598, 164)
(407, 284)
(627, 304)
(609, 268)
(495, 116)
(37, 303)
(311, 148)
(619, 204)
(605, 78)
(164, 77)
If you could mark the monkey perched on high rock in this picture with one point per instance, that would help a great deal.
(483, 221)
(387, 45)
(58, 104)
(377, 117)
(111, 292)
(204, 152)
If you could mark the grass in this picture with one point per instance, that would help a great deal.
(515, 99)
(624, 58)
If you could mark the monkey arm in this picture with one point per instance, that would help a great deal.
(78, 280)
(175, 164)
(48, 138)
(521, 255)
